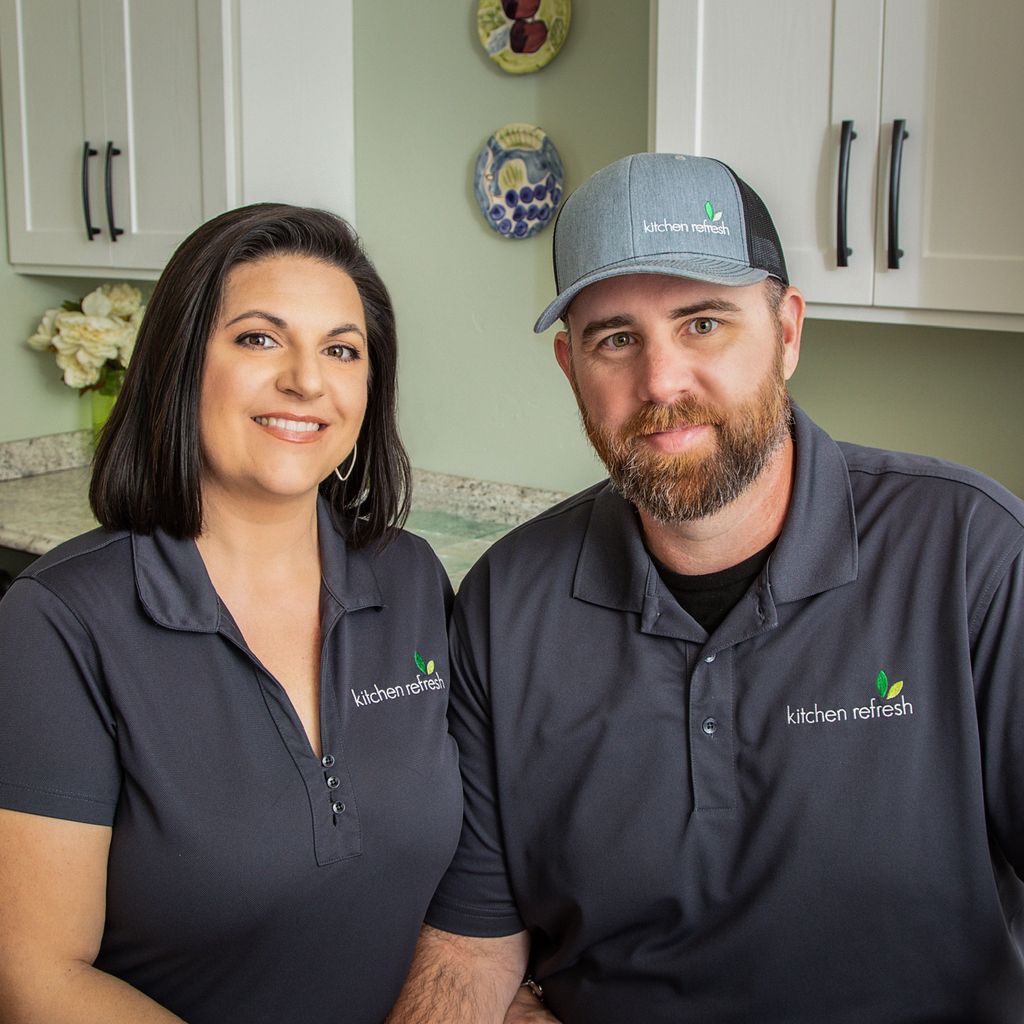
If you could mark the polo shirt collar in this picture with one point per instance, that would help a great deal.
(175, 589)
(816, 551)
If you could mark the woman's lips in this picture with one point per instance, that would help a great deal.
(298, 429)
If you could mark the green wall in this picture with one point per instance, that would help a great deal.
(481, 395)
(33, 399)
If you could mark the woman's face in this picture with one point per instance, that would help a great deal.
(285, 381)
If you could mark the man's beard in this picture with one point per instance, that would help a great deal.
(684, 486)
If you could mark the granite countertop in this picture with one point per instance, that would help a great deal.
(44, 485)
(39, 512)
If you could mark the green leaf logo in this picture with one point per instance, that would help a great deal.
(420, 663)
(885, 691)
(712, 215)
(430, 668)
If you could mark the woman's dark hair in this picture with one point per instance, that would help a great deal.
(148, 464)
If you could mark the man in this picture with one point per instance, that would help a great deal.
(742, 729)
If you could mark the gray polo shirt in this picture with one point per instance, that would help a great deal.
(815, 814)
(249, 880)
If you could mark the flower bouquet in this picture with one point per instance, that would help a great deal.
(93, 338)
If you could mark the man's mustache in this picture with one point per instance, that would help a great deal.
(652, 417)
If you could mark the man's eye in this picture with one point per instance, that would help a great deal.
(618, 340)
(703, 325)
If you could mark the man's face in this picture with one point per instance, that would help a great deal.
(681, 386)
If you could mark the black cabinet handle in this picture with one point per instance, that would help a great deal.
(899, 133)
(90, 231)
(112, 151)
(843, 252)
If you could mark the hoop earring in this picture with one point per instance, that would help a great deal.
(351, 465)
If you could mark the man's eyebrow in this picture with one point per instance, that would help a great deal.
(600, 326)
(705, 306)
(260, 314)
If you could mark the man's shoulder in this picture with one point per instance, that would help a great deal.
(929, 483)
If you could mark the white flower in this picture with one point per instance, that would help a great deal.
(98, 335)
(43, 338)
(96, 303)
(75, 374)
(125, 300)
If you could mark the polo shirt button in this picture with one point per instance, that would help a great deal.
(333, 782)
(710, 726)
(327, 760)
(710, 658)
(338, 807)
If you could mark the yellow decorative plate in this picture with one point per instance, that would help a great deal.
(521, 36)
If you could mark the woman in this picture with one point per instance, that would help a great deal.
(228, 786)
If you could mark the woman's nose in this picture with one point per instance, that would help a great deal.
(302, 375)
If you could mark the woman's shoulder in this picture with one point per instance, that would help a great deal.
(83, 568)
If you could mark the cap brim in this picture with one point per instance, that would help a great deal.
(696, 268)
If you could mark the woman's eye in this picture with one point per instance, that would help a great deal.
(703, 325)
(344, 352)
(256, 340)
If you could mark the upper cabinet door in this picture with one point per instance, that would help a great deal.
(954, 74)
(152, 150)
(53, 107)
(766, 87)
(190, 107)
(769, 88)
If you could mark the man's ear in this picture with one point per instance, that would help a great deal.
(563, 353)
(791, 316)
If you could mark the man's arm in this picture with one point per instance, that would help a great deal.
(456, 979)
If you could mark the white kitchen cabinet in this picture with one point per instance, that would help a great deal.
(189, 108)
(767, 86)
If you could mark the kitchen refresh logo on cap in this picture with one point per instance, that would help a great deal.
(710, 225)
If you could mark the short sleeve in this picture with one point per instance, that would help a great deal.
(998, 653)
(58, 755)
(474, 897)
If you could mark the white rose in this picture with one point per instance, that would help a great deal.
(96, 303)
(98, 335)
(124, 299)
(43, 338)
(75, 374)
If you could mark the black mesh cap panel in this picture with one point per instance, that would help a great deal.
(762, 239)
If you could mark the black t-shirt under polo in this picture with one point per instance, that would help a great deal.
(248, 879)
(812, 815)
(709, 597)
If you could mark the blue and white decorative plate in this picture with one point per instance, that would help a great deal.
(519, 180)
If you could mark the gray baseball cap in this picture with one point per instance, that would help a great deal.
(662, 213)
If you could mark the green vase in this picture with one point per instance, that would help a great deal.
(103, 399)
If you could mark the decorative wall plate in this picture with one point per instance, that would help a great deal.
(519, 180)
(521, 36)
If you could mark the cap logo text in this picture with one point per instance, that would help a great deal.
(710, 226)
